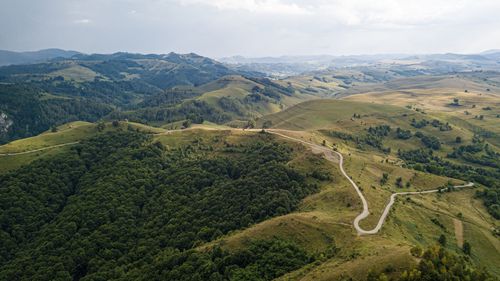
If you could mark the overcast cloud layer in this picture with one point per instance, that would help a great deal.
(252, 27)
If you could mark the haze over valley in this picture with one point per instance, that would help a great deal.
(250, 140)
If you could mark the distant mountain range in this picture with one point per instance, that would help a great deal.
(164, 88)
(276, 66)
(314, 59)
(435, 63)
(10, 57)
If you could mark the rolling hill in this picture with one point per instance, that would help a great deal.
(178, 167)
(10, 57)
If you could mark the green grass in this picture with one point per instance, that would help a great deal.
(325, 218)
(322, 114)
(77, 73)
(70, 132)
(67, 133)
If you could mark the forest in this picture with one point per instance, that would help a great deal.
(32, 113)
(121, 207)
(425, 160)
(437, 264)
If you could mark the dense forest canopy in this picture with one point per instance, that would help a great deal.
(121, 207)
(143, 88)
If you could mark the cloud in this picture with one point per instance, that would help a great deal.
(82, 21)
(254, 6)
(390, 13)
(252, 27)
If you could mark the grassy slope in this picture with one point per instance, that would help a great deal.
(434, 94)
(67, 133)
(409, 222)
(336, 115)
(75, 72)
(239, 87)
(325, 219)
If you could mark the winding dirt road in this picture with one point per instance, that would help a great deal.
(329, 155)
(365, 213)
(36, 150)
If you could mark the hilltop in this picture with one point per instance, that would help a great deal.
(10, 57)
(140, 167)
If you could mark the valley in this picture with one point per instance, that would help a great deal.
(179, 167)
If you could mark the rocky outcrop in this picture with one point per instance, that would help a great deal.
(5, 123)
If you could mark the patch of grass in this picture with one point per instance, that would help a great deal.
(66, 133)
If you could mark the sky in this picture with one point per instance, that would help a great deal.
(252, 28)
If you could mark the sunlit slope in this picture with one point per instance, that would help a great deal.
(49, 143)
(323, 224)
(482, 82)
(355, 118)
(470, 104)
(322, 114)
(244, 98)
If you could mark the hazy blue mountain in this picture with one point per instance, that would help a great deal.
(10, 57)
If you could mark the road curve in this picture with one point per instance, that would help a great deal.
(329, 156)
(36, 150)
(365, 211)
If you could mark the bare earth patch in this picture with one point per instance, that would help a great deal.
(459, 232)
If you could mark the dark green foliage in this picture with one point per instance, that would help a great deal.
(442, 126)
(272, 87)
(472, 154)
(261, 260)
(380, 131)
(32, 114)
(438, 223)
(437, 264)
(466, 247)
(431, 142)
(442, 240)
(491, 200)
(186, 124)
(118, 207)
(372, 139)
(174, 113)
(385, 177)
(419, 124)
(230, 104)
(100, 126)
(168, 97)
(416, 251)
(267, 124)
(425, 160)
(399, 182)
(137, 87)
(121, 93)
(403, 134)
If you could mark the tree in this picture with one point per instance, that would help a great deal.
(372, 276)
(442, 240)
(115, 123)
(324, 143)
(456, 101)
(416, 251)
(466, 248)
(458, 139)
(101, 126)
(385, 177)
(251, 123)
(267, 124)
(53, 129)
(186, 123)
(399, 182)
